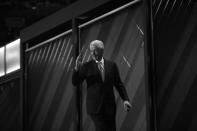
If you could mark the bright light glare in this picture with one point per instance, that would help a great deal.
(2, 64)
(13, 56)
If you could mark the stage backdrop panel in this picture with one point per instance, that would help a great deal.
(51, 95)
(175, 31)
(10, 106)
(122, 34)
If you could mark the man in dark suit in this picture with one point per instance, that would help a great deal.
(101, 76)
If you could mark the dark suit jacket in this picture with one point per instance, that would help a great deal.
(100, 94)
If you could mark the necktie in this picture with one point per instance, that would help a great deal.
(101, 68)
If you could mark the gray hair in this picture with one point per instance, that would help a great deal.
(96, 44)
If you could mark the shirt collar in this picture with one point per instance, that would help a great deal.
(102, 61)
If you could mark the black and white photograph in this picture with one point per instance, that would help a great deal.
(98, 65)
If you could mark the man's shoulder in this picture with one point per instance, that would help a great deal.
(110, 62)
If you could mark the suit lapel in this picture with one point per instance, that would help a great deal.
(95, 66)
(105, 69)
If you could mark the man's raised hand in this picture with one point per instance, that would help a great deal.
(78, 62)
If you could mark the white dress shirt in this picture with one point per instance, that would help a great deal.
(101, 63)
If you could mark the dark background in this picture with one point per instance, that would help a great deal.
(175, 31)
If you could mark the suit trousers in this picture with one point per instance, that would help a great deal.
(104, 121)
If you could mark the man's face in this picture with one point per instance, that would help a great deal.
(97, 53)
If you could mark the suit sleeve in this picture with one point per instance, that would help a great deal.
(119, 85)
(78, 76)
